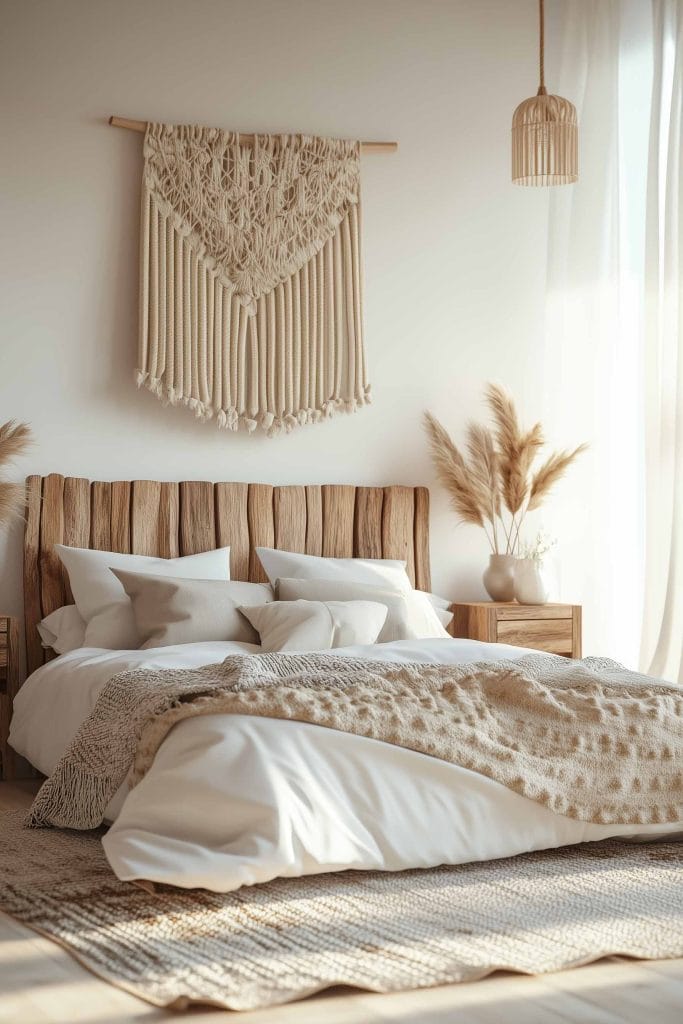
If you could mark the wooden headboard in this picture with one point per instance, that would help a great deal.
(147, 517)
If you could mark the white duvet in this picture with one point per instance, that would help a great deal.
(233, 800)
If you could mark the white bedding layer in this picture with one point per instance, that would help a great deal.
(234, 800)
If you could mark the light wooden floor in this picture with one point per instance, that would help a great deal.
(39, 982)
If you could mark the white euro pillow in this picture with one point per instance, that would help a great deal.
(316, 625)
(101, 599)
(410, 616)
(62, 630)
(387, 572)
(171, 611)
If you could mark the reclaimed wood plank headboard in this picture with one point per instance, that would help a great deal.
(149, 517)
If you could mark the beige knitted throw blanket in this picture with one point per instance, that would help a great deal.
(250, 286)
(588, 739)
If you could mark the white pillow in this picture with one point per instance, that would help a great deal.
(62, 630)
(442, 607)
(410, 616)
(444, 617)
(172, 611)
(379, 572)
(102, 601)
(316, 625)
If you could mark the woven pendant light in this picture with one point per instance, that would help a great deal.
(545, 149)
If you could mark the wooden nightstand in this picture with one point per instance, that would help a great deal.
(545, 627)
(9, 684)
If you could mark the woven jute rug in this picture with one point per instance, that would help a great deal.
(379, 931)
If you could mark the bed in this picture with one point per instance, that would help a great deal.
(233, 800)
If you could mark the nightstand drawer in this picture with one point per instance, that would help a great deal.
(552, 635)
(9, 685)
(555, 628)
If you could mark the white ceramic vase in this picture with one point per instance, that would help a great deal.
(530, 583)
(499, 577)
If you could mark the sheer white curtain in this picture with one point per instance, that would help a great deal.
(662, 642)
(613, 283)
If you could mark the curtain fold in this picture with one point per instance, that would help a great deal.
(589, 356)
(662, 641)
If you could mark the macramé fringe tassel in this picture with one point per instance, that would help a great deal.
(231, 419)
(294, 355)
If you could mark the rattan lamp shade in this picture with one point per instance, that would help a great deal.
(545, 134)
(545, 143)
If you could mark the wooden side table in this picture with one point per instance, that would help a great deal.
(9, 685)
(555, 628)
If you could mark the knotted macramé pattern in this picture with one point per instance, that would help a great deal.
(250, 302)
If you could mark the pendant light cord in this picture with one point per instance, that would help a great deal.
(541, 48)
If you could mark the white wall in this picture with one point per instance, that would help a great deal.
(454, 254)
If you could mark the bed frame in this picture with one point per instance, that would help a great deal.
(147, 517)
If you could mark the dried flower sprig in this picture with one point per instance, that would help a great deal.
(15, 438)
(496, 475)
(537, 549)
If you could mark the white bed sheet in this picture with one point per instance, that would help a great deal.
(232, 800)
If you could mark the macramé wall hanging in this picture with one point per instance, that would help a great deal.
(250, 289)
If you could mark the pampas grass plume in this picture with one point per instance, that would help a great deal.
(15, 438)
(496, 475)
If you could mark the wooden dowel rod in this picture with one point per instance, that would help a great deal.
(141, 126)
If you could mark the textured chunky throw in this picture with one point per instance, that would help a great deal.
(588, 739)
(250, 301)
(384, 931)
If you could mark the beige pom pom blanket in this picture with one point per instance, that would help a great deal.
(588, 739)
(250, 289)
